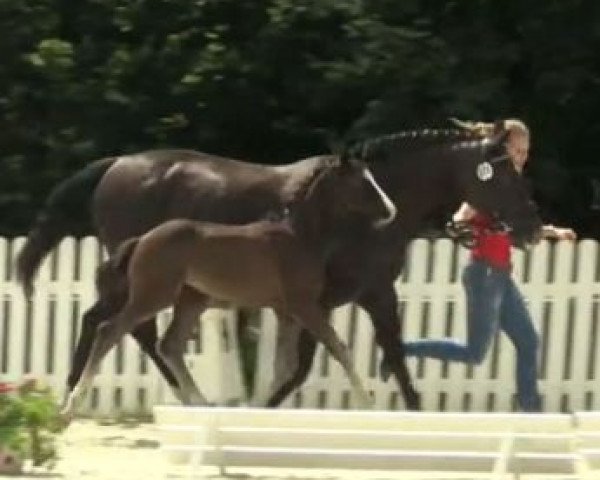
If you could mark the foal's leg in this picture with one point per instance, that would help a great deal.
(147, 296)
(316, 320)
(381, 304)
(94, 316)
(190, 305)
(108, 334)
(145, 334)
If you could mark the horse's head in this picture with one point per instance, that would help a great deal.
(491, 184)
(346, 188)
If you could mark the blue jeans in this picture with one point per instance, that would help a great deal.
(493, 302)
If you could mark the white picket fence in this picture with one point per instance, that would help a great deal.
(561, 283)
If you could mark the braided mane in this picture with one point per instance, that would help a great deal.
(411, 140)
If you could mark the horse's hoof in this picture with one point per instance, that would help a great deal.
(201, 403)
(413, 400)
(178, 394)
(385, 370)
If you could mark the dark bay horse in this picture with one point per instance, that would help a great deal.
(277, 264)
(421, 171)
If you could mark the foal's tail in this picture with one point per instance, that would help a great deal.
(66, 212)
(111, 276)
(120, 259)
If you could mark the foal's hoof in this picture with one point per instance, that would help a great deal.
(364, 401)
(67, 412)
(66, 416)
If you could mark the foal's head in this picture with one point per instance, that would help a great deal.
(345, 189)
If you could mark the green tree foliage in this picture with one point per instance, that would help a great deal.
(274, 80)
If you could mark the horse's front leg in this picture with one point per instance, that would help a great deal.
(381, 304)
(305, 350)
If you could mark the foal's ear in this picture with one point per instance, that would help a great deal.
(345, 157)
(348, 160)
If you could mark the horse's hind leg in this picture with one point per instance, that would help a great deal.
(285, 364)
(316, 320)
(171, 348)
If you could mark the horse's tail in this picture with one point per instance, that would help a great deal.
(66, 212)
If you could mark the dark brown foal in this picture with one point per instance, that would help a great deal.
(278, 264)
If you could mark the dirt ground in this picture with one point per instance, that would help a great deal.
(90, 450)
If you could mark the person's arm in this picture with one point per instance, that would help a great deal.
(558, 233)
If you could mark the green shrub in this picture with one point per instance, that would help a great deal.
(29, 421)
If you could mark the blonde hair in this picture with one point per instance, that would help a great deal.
(516, 126)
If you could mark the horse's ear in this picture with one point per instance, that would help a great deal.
(499, 127)
(460, 123)
(499, 138)
(478, 129)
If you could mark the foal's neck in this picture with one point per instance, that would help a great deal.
(315, 225)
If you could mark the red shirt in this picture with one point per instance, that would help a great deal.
(491, 247)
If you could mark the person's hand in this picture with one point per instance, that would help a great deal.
(565, 233)
(559, 233)
(462, 232)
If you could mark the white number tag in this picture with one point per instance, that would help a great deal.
(485, 171)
